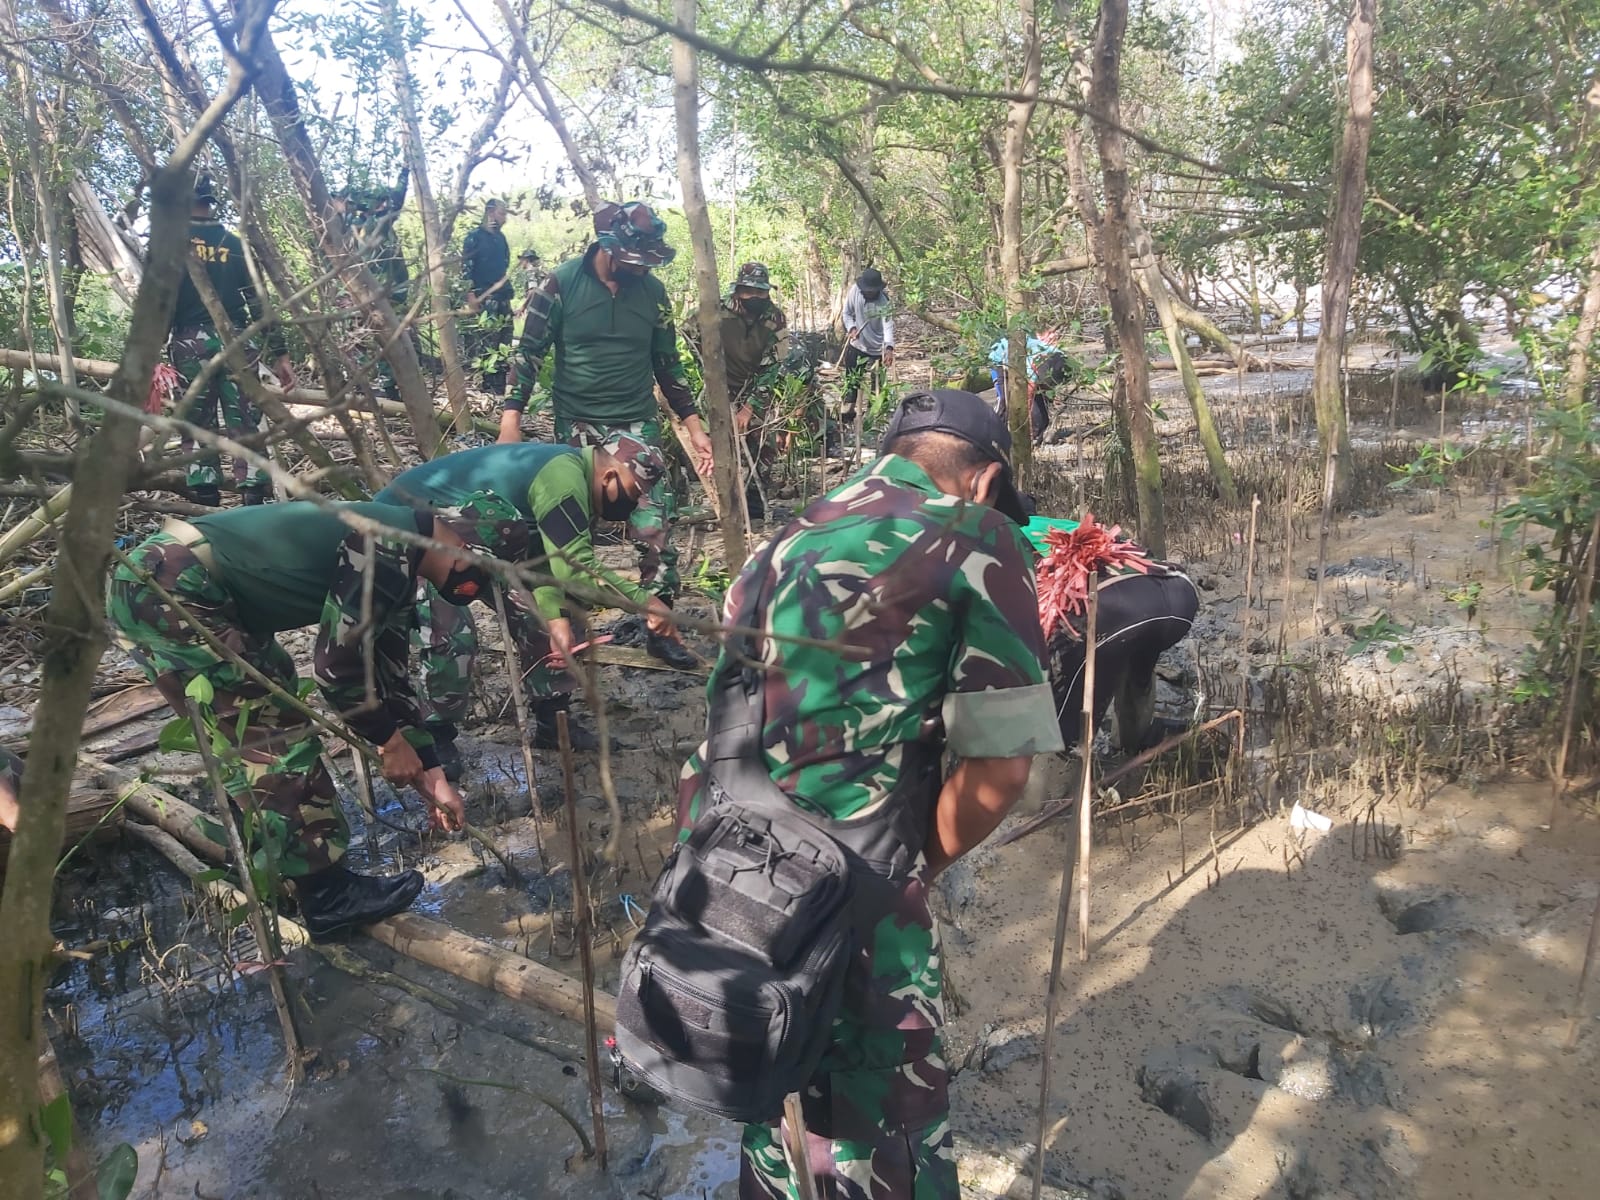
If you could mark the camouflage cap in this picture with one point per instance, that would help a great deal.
(644, 460)
(528, 255)
(486, 522)
(633, 234)
(753, 275)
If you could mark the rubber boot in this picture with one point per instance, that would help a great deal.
(253, 494)
(208, 494)
(670, 651)
(338, 899)
(449, 758)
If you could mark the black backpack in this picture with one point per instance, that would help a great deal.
(729, 992)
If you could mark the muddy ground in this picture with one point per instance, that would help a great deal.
(1366, 1012)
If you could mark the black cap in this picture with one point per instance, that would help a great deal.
(870, 280)
(966, 416)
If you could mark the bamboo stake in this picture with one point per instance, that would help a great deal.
(1584, 976)
(580, 905)
(519, 704)
(265, 941)
(31, 526)
(26, 580)
(1086, 794)
(1249, 589)
(1585, 591)
(799, 1147)
(1074, 851)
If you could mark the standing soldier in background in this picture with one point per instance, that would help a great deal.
(869, 335)
(486, 266)
(755, 341)
(533, 274)
(610, 323)
(369, 215)
(193, 339)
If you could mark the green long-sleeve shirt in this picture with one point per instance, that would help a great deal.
(552, 486)
(611, 350)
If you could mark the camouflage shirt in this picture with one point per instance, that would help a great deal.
(752, 346)
(932, 599)
(347, 620)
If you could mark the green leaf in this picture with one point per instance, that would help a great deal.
(177, 734)
(56, 1118)
(211, 875)
(199, 690)
(1397, 654)
(118, 1173)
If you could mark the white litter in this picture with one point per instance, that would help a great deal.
(1304, 818)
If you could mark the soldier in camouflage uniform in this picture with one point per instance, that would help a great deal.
(561, 492)
(192, 340)
(610, 323)
(248, 574)
(369, 215)
(755, 343)
(929, 592)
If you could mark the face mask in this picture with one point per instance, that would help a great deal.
(755, 305)
(463, 585)
(619, 509)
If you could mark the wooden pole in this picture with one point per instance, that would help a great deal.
(1585, 591)
(1584, 976)
(266, 943)
(1052, 1002)
(519, 704)
(580, 906)
(794, 1120)
(1086, 793)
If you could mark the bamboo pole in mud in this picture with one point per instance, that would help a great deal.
(266, 940)
(1330, 469)
(1583, 978)
(1249, 590)
(1086, 793)
(519, 705)
(581, 930)
(794, 1120)
(1052, 1002)
(1585, 591)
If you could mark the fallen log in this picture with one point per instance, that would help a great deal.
(430, 942)
(20, 360)
(88, 813)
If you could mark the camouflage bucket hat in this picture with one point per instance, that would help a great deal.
(488, 523)
(753, 275)
(633, 234)
(643, 459)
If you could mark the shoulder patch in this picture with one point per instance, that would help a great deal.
(563, 523)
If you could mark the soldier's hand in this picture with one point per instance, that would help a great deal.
(400, 761)
(473, 303)
(447, 811)
(701, 444)
(284, 370)
(888, 356)
(510, 426)
(658, 619)
(560, 630)
(741, 418)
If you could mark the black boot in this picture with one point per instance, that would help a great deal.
(339, 899)
(671, 651)
(208, 494)
(753, 502)
(253, 494)
(547, 736)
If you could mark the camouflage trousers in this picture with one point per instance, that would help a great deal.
(189, 350)
(650, 524)
(276, 779)
(878, 1109)
(446, 643)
